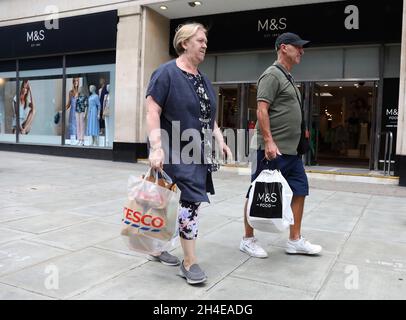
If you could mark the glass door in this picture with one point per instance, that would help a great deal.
(341, 116)
(229, 106)
(314, 125)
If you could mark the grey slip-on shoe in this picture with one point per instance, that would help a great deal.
(194, 275)
(165, 258)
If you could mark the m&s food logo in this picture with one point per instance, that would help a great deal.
(145, 222)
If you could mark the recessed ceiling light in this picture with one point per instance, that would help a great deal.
(163, 7)
(341, 87)
(326, 85)
(194, 3)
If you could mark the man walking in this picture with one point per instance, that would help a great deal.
(278, 133)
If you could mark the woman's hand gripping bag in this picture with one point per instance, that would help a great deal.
(269, 202)
(150, 217)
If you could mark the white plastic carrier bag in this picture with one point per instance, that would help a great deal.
(269, 202)
(150, 216)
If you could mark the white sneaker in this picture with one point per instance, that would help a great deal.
(302, 246)
(251, 247)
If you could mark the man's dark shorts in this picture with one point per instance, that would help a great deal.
(291, 168)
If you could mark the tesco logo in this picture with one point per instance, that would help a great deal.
(146, 220)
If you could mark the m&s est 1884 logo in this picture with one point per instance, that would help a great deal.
(36, 35)
(145, 222)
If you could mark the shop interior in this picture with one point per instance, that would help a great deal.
(340, 113)
(341, 123)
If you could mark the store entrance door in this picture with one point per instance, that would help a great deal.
(341, 117)
(229, 106)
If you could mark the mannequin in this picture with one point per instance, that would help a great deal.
(93, 116)
(81, 109)
(102, 92)
(106, 115)
(71, 106)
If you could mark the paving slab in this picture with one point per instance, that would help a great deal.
(12, 293)
(385, 203)
(102, 208)
(323, 220)
(7, 235)
(306, 273)
(154, 280)
(118, 245)
(374, 253)
(16, 212)
(225, 193)
(76, 272)
(21, 254)
(330, 208)
(332, 242)
(79, 236)
(319, 195)
(112, 219)
(5, 201)
(355, 282)
(232, 208)
(382, 225)
(211, 221)
(151, 281)
(233, 288)
(46, 222)
(349, 198)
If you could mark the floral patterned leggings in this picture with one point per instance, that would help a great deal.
(188, 219)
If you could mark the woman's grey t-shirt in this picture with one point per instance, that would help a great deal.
(284, 112)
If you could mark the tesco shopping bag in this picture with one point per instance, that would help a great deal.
(150, 216)
(269, 202)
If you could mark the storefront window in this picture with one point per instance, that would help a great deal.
(90, 106)
(7, 114)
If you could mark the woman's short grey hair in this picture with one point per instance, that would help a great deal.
(185, 32)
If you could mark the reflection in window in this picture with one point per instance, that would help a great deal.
(7, 114)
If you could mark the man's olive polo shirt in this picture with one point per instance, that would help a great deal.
(284, 112)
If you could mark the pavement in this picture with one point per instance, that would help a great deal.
(60, 222)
